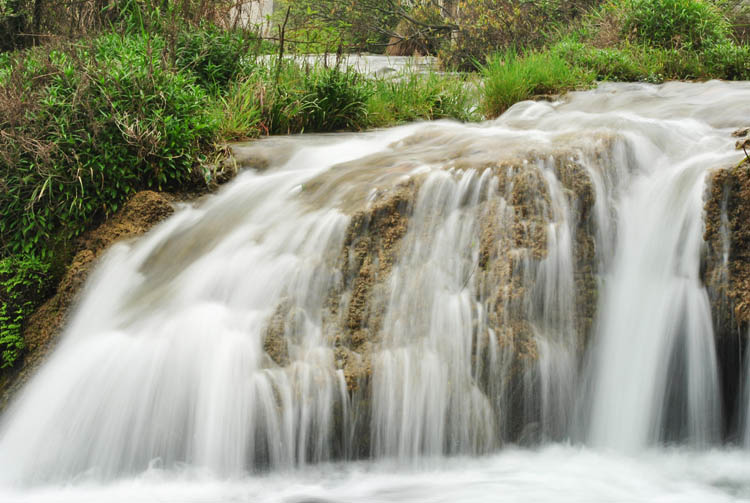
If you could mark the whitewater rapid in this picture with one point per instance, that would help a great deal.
(472, 338)
(554, 474)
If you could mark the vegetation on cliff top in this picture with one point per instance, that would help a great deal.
(101, 99)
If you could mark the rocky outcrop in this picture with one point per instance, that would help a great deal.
(509, 264)
(370, 249)
(581, 196)
(513, 224)
(355, 305)
(727, 237)
(726, 274)
(143, 211)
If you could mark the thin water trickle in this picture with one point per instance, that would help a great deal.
(405, 295)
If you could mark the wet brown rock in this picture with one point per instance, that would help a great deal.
(508, 261)
(581, 197)
(275, 341)
(513, 241)
(354, 307)
(144, 210)
(370, 249)
(727, 235)
(726, 274)
(357, 366)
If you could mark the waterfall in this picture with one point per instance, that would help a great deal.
(655, 370)
(428, 291)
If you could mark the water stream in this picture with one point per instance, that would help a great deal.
(437, 312)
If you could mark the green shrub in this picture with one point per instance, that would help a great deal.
(675, 24)
(606, 63)
(309, 98)
(421, 97)
(677, 64)
(24, 285)
(302, 98)
(5, 67)
(216, 56)
(488, 26)
(239, 112)
(340, 99)
(85, 127)
(155, 115)
(510, 78)
(728, 61)
(655, 64)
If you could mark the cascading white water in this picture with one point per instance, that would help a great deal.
(461, 319)
(656, 330)
(424, 391)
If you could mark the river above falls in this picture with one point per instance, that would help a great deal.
(371, 65)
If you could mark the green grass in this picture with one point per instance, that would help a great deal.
(239, 112)
(422, 97)
(289, 98)
(509, 78)
(639, 63)
(297, 98)
(215, 56)
(654, 41)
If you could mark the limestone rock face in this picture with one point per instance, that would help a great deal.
(726, 273)
(514, 212)
(727, 237)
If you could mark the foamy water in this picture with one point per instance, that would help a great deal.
(162, 389)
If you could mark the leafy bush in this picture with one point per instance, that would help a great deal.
(655, 64)
(294, 99)
(239, 113)
(490, 26)
(308, 98)
(728, 61)
(23, 284)
(510, 78)
(421, 97)
(675, 24)
(216, 56)
(339, 97)
(606, 63)
(326, 25)
(85, 127)
(676, 64)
